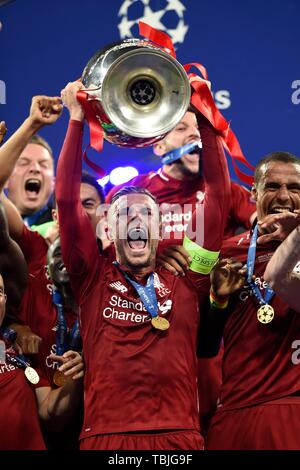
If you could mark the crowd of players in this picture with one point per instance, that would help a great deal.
(162, 316)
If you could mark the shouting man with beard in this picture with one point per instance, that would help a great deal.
(259, 400)
(138, 323)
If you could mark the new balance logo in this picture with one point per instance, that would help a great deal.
(296, 269)
(165, 307)
(119, 286)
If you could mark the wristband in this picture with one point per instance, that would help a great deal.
(202, 260)
(217, 303)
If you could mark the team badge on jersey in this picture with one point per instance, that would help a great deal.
(160, 287)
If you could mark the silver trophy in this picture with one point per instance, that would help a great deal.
(138, 92)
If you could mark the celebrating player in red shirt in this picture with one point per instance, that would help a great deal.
(19, 420)
(48, 308)
(259, 400)
(20, 406)
(139, 326)
(179, 188)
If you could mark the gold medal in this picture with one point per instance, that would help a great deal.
(265, 314)
(32, 375)
(160, 323)
(59, 378)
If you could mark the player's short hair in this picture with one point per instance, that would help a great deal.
(126, 190)
(87, 178)
(191, 109)
(284, 157)
(38, 140)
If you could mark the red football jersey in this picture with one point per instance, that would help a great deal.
(37, 309)
(179, 199)
(260, 360)
(19, 421)
(137, 378)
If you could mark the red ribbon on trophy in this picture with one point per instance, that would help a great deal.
(159, 38)
(203, 101)
(96, 130)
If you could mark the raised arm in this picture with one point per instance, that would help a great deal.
(204, 235)
(279, 271)
(78, 241)
(44, 110)
(14, 219)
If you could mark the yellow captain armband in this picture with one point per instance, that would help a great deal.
(202, 260)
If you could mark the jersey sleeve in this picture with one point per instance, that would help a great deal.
(205, 232)
(78, 240)
(34, 248)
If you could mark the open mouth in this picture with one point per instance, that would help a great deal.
(280, 210)
(196, 150)
(60, 274)
(61, 268)
(195, 153)
(33, 186)
(137, 238)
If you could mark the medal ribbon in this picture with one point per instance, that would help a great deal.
(175, 154)
(75, 337)
(9, 336)
(146, 293)
(250, 270)
(62, 343)
(11, 356)
(19, 361)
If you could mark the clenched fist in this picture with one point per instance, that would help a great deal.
(45, 110)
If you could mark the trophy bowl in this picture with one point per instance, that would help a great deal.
(138, 92)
